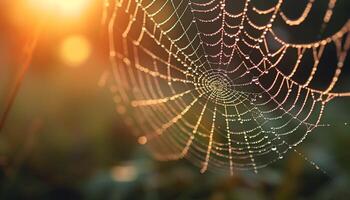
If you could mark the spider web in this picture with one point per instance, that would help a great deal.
(215, 82)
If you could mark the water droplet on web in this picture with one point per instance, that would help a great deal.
(255, 80)
(171, 59)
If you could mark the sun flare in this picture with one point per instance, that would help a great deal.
(63, 8)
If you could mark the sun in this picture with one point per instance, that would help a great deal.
(62, 8)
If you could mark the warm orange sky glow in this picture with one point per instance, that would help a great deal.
(61, 8)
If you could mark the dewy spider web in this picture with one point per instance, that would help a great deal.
(213, 81)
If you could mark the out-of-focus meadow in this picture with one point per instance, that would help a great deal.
(63, 138)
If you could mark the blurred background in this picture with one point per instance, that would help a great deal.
(63, 138)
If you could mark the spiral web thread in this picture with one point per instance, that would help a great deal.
(213, 82)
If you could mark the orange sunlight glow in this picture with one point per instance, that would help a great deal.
(75, 50)
(61, 8)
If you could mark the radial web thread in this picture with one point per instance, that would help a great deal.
(216, 82)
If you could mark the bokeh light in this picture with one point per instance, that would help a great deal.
(75, 50)
(124, 173)
(142, 140)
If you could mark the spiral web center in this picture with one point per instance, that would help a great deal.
(212, 80)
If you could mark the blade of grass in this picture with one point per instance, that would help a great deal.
(28, 56)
